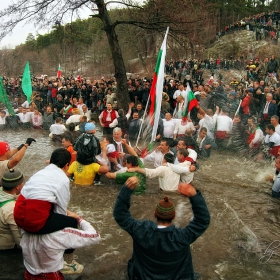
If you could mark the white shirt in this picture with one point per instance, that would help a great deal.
(25, 104)
(57, 128)
(169, 127)
(87, 114)
(208, 123)
(49, 184)
(108, 117)
(44, 253)
(277, 128)
(25, 118)
(192, 154)
(258, 138)
(181, 129)
(224, 123)
(73, 119)
(183, 168)
(3, 120)
(179, 92)
(156, 157)
(275, 138)
(168, 180)
(115, 121)
(80, 107)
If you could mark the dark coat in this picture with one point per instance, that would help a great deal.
(161, 253)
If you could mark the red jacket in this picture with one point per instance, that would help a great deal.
(245, 104)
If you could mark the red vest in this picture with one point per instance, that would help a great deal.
(104, 117)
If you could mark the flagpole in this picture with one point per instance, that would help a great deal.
(142, 121)
(238, 108)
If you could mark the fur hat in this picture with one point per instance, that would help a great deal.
(165, 209)
(11, 179)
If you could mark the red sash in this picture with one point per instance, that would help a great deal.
(221, 135)
(190, 160)
(274, 151)
(31, 214)
(43, 276)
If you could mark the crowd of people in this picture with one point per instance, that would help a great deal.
(242, 116)
(265, 25)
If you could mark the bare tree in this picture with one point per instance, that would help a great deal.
(156, 15)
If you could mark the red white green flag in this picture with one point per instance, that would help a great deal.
(58, 71)
(157, 87)
(190, 102)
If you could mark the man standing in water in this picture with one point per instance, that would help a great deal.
(161, 250)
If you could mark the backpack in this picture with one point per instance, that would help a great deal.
(87, 147)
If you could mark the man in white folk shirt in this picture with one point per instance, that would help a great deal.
(57, 129)
(224, 125)
(86, 112)
(168, 179)
(272, 139)
(206, 121)
(275, 122)
(168, 128)
(181, 91)
(180, 105)
(181, 127)
(157, 155)
(25, 118)
(186, 158)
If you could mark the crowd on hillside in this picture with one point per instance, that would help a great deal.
(265, 26)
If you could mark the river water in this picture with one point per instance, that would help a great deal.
(244, 217)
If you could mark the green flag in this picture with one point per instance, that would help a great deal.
(26, 82)
(4, 98)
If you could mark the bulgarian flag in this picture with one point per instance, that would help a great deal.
(58, 71)
(190, 101)
(157, 87)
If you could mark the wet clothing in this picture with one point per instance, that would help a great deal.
(46, 191)
(48, 120)
(161, 253)
(44, 253)
(83, 174)
(122, 177)
(133, 129)
(276, 186)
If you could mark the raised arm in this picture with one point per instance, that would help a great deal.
(129, 149)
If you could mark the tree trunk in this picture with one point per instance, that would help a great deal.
(120, 71)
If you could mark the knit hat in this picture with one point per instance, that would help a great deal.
(4, 148)
(11, 179)
(89, 126)
(165, 209)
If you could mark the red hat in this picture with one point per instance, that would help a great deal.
(4, 148)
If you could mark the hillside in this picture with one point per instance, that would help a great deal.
(239, 45)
